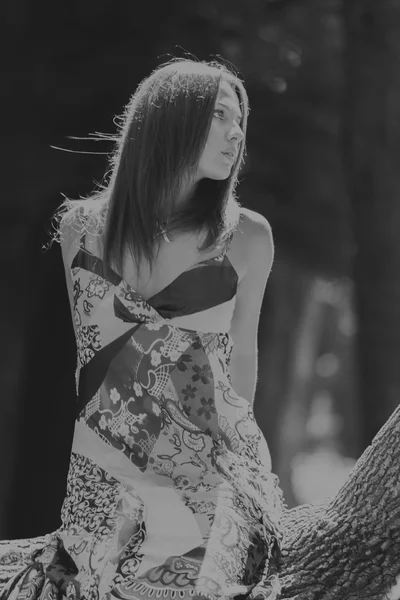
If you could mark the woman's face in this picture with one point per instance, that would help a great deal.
(225, 135)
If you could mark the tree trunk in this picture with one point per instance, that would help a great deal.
(349, 547)
(371, 150)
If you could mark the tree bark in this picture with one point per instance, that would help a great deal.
(349, 547)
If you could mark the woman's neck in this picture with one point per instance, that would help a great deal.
(187, 191)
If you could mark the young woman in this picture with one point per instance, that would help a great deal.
(170, 492)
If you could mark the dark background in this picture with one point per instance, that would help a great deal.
(323, 148)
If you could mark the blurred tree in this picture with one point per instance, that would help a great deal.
(371, 150)
(292, 420)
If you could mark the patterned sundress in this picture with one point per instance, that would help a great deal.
(170, 492)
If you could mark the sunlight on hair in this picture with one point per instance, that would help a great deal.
(161, 135)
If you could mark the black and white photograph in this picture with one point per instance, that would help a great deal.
(200, 309)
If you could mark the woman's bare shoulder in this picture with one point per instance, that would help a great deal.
(253, 224)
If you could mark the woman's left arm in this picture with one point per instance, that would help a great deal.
(257, 253)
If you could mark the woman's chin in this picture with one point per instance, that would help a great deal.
(219, 175)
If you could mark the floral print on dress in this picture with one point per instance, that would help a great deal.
(97, 286)
(170, 491)
(88, 342)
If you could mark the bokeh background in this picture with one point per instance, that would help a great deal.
(323, 166)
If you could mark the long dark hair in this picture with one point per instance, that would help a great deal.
(163, 131)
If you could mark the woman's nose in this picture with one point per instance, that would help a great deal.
(236, 133)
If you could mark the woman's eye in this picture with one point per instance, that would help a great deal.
(219, 113)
